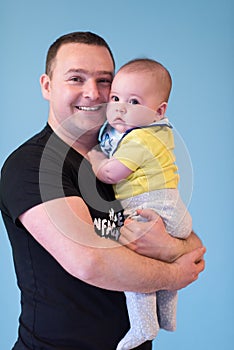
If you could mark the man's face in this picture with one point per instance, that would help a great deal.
(81, 79)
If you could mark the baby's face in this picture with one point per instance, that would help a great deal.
(124, 116)
(133, 100)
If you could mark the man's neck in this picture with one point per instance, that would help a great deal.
(82, 143)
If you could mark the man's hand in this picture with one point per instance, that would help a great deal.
(151, 238)
(147, 238)
(187, 268)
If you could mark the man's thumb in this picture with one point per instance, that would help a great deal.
(148, 214)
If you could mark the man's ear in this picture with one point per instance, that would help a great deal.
(45, 86)
(160, 113)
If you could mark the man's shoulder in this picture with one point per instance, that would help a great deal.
(28, 150)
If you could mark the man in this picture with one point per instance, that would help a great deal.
(58, 215)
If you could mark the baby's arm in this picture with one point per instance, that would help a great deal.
(108, 170)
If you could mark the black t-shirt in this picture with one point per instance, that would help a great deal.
(59, 311)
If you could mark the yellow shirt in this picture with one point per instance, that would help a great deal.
(148, 152)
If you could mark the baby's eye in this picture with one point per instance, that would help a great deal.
(134, 101)
(114, 98)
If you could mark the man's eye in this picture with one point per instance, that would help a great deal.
(105, 81)
(114, 98)
(76, 79)
(134, 101)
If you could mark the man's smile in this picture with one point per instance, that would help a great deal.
(89, 108)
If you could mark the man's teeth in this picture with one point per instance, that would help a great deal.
(84, 108)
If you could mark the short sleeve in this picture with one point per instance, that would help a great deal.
(31, 176)
(132, 151)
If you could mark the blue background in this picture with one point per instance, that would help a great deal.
(194, 40)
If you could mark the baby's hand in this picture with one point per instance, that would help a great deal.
(91, 154)
(95, 156)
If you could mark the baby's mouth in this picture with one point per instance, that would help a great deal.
(118, 120)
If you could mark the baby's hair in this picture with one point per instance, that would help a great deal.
(152, 66)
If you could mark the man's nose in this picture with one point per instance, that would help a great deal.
(90, 90)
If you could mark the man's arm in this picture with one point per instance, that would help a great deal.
(151, 238)
(65, 229)
(108, 170)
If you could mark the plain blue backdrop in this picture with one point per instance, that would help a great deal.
(194, 40)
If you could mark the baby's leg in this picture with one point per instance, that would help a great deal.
(143, 320)
(179, 224)
(166, 309)
(168, 204)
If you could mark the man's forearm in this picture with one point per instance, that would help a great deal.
(134, 272)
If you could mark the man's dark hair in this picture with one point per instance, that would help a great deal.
(88, 38)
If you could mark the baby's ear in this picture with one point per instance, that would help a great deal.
(160, 113)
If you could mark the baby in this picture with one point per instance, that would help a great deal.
(137, 158)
